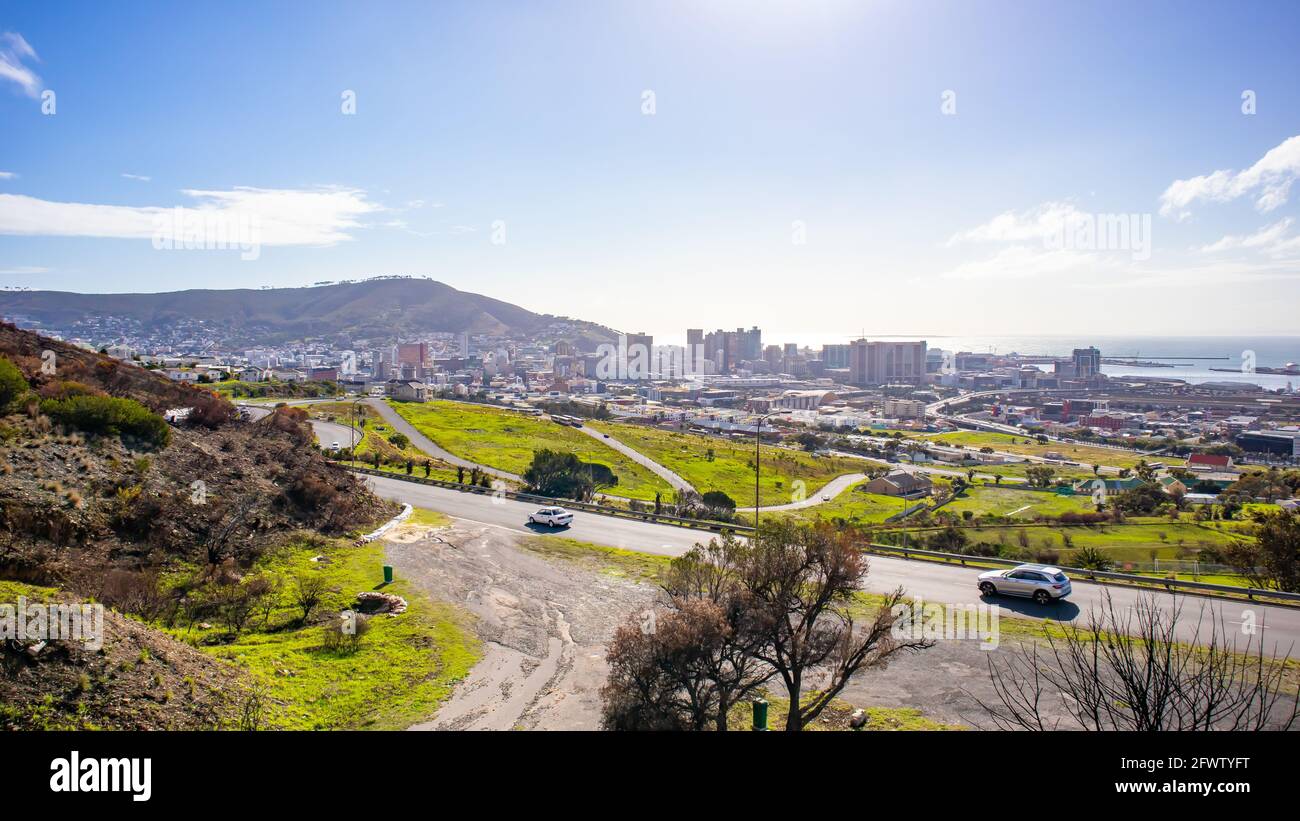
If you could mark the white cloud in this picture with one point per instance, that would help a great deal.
(7, 175)
(139, 177)
(1268, 181)
(1275, 240)
(1048, 220)
(25, 269)
(322, 216)
(14, 52)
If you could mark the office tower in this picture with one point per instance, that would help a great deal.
(878, 363)
(1087, 362)
(835, 356)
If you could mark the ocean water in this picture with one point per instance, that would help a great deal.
(1193, 357)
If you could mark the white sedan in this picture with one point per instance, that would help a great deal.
(551, 517)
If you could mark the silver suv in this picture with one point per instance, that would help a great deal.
(1040, 582)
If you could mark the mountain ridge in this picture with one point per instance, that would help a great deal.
(369, 309)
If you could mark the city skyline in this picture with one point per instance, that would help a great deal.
(1049, 171)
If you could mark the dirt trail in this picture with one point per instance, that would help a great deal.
(544, 628)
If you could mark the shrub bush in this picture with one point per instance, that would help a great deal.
(12, 383)
(109, 416)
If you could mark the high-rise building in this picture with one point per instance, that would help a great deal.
(413, 353)
(751, 345)
(772, 354)
(835, 356)
(727, 349)
(879, 363)
(641, 338)
(1087, 362)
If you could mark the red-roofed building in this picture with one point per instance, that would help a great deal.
(1208, 461)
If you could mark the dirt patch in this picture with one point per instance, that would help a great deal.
(544, 627)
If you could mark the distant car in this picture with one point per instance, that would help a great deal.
(551, 517)
(335, 446)
(1040, 582)
(826, 497)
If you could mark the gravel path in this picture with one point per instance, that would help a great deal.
(544, 627)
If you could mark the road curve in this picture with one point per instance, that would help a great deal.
(429, 446)
(937, 583)
(640, 458)
(830, 490)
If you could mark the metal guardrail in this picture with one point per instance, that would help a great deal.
(603, 510)
(1093, 575)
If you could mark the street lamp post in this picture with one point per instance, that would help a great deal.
(758, 439)
(356, 415)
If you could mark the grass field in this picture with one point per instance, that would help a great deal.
(1086, 455)
(405, 667)
(1136, 540)
(1021, 504)
(374, 440)
(505, 440)
(731, 468)
(853, 506)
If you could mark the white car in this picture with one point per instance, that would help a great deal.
(551, 517)
(335, 446)
(1042, 583)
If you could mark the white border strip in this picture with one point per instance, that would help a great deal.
(407, 510)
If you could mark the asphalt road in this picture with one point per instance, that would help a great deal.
(510, 514)
(1279, 627)
(640, 458)
(429, 446)
(829, 491)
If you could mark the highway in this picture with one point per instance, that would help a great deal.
(1278, 626)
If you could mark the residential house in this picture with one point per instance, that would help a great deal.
(900, 483)
(408, 390)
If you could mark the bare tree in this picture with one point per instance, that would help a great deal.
(308, 590)
(710, 573)
(1130, 670)
(803, 581)
(744, 612)
(660, 669)
(218, 538)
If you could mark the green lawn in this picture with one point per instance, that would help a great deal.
(375, 439)
(1087, 455)
(731, 468)
(854, 506)
(405, 667)
(1020, 504)
(505, 440)
(1136, 540)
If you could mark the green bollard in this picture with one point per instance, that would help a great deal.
(388, 574)
(760, 716)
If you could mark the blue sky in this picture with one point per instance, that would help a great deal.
(798, 171)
